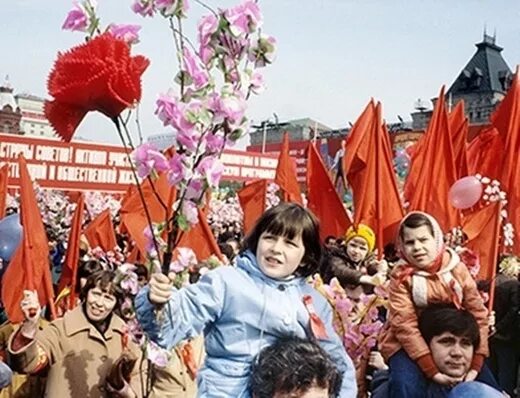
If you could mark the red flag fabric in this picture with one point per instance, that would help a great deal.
(323, 199)
(252, 201)
(100, 232)
(29, 269)
(459, 131)
(483, 230)
(369, 170)
(201, 240)
(70, 266)
(506, 119)
(285, 176)
(484, 152)
(4, 177)
(437, 171)
(133, 215)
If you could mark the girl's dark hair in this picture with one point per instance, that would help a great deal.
(441, 318)
(415, 220)
(293, 365)
(290, 220)
(105, 281)
(85, 269)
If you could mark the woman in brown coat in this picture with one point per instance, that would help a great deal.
(82, 349)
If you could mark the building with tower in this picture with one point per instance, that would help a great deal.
(10, 113)
(481, 84)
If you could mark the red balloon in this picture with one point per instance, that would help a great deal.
(465, 192)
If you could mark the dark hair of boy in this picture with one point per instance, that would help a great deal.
(293, 365)
(441, 318)
(416, 220)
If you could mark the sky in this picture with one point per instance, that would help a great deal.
(332, 55)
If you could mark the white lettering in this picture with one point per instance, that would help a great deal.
(11, 151)
(84, 156)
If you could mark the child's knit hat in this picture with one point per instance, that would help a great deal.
(362, 231)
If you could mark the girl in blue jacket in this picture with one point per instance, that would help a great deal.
(242, 309)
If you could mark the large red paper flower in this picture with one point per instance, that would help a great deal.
(99, 75)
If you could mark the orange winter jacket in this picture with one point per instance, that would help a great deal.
(409, 296)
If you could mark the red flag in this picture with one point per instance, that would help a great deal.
(30, 266)
(323, 199)
(459, 131)
(437, 170)
(506, 119)
(201, 240)
(4, 177)
(483, 230)
(70, 266)
(159, 205)
(252, 201)
(484, 152)
(100, 232)
(369, 170)
(286, 174)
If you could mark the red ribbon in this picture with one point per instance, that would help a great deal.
(317, 326)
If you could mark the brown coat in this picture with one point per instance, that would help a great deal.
(402, 329)
(79, 356)
(22, 386)
(173, 381)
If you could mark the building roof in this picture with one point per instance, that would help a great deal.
(29, 97)
(486, 71)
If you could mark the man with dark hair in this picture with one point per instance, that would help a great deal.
(294, 368)
(452, 335)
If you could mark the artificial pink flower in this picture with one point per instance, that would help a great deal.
(144, 8)
(214, 142)
(172, 7)
(188, 138)
(227, 106)
(185, 258)
(148, 158)
(244, 18)
(198, 75)
(158, 356)
(150, 246)
(128, 33)
(171, 112)
(194, 189)
(263, 51)
(176, 170)
(207, 26)
(211, 168)
(190, 212)
(77, 19)
(256, 84)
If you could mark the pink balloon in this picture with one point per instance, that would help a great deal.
(465, 193)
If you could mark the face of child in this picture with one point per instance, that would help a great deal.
(452, 354)
(279, 256)
(419, 246)
(357, 249)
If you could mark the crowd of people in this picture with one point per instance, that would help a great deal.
(265, 323)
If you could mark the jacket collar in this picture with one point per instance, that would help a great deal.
(76, 321)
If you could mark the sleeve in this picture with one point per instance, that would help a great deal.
(31, 356)
(403, 319)
(345, 275)
(6, 375)
(472, 301)
(333, 346)
(506, 323)
(187, 312)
